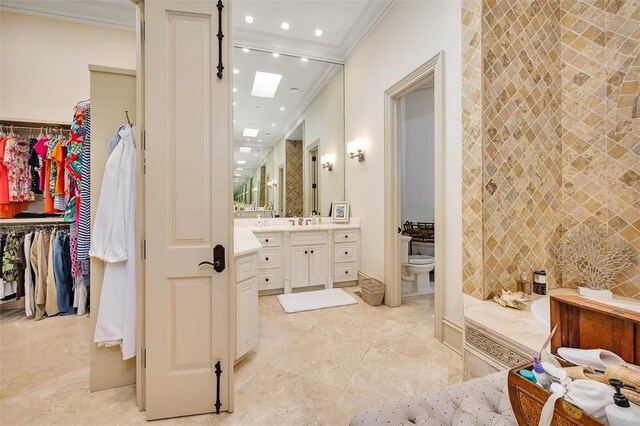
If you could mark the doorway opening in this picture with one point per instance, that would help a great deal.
(410, 188)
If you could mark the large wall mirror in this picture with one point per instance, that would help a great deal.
(288, 134)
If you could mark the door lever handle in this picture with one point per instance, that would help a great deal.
(218, 259)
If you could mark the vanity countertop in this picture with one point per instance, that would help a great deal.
(244, 241)
(303, 228)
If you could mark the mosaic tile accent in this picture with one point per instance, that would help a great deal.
(293, 177)
(472, 261)
(263, 186)
(601, 140)
(522, 172)
(535, 188)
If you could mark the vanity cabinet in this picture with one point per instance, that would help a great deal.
(345, 255)
(246, 304)
(308, 265)
(298, 257)
(270, 262)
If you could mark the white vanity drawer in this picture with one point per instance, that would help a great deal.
(269, 240)
(345, 252)
(345, 272)
(269, 280)
(302, 238)
(347, 235)
(269, 258)
(246, 267)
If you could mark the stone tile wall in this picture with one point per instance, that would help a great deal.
(293, 177)
(554, 127)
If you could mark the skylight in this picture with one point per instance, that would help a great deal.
(250, 133)
(265, 84)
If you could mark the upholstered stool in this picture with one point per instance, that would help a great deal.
(477, 402)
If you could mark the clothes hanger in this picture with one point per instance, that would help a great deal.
(40, 135)
(126, 113)
(11, 132)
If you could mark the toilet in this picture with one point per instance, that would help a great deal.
(415, 270)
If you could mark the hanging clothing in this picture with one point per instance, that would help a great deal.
(39, 258)
(8, 209)
(34, 163)
(84, 222)
(29, 300)
(113, 241)
(51, 304)
(16, 157)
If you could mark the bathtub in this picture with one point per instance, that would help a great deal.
(540, 310)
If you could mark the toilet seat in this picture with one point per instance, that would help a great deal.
(421, 260)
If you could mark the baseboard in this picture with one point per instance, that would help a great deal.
(452, 336)
(363, 276)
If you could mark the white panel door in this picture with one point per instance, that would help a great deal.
(318, 265)
(188, 196)
(299, 266)
(247, 316)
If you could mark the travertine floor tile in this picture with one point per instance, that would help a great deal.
(318, 367)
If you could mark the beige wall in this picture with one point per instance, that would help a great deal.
(408, 35)
(44, 66)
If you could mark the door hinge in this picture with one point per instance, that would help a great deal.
(142, 27)
(144, 358)
(144, 166)
(144, 249)
(314, 186)
(144, 140)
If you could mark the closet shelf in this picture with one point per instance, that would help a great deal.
(32, 221)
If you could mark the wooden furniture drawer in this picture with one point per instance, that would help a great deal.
(345, 252)
(269, 258)
(345, 272)
(269, 240)
(246, 267)
(346, 235)
(269, 280)
(302, 238)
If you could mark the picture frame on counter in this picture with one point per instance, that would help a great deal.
(340, 212)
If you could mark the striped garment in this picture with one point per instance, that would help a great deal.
(84, 223)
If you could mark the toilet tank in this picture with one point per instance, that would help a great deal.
(404, 249)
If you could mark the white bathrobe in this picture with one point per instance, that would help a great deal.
(113, 240)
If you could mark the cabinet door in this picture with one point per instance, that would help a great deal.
(318, 265)
(299, 266)
(246, 316)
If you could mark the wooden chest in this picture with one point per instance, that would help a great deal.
(582, 324)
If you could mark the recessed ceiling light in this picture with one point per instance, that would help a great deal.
(245, 149)
(250, 133)
(284, 26)
(236, 71)
(248, 19)
(239, 169)
(281, 108)
(276, 54)
(235, 90)
(294, 90)
(259, 140)
(318, 32)
(304, 59)
(234, 104)
(237, 175)
(242, 162)
(265, 84)
(273, 124)
(245, 50)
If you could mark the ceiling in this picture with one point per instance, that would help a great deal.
(343, 22)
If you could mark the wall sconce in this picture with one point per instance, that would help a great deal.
(356, 148)
(327, 161)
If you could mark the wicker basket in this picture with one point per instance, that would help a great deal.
(372, 291)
